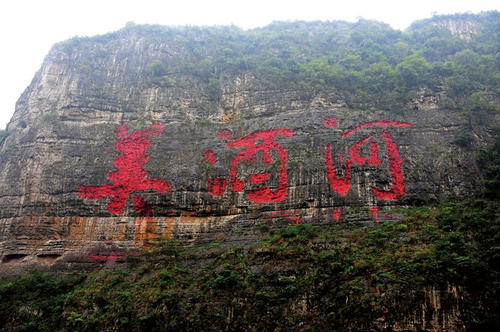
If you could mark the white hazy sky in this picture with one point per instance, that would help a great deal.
(29, 28)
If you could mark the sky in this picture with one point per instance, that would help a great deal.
(29, 28)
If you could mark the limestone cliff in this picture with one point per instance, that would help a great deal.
(117, 140)
(464, 26)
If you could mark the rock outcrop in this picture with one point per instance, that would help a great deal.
(464, 26)
(97, 159)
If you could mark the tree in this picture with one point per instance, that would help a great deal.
(412, 71)
(156, 68)
(214, 89)
(352, 62)
(489, 162)
(379, 77)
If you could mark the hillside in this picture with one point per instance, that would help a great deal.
(278, 172)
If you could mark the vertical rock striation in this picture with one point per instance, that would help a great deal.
(226, 158)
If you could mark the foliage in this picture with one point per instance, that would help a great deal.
(368, 62)
(51, 116)
(489, 162)
(308, 276)
(156, 68)
(214, 89)
(464, 140)
(34, 301)
(158, 75)
(301, 277)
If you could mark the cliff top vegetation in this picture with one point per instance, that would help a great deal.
(367, 61)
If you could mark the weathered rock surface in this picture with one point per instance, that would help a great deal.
(62, 137)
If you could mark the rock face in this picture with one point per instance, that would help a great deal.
(97, 160)
(464, 28)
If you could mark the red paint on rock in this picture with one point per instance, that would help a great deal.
(374, 212)
(141, 206)
(130, 176)
(252, 147)
(330, 122)
(107, 256)
(259, 177)
(373, 160)
(336, 214)
(338, 184)
(224, 134)
(217, 186)
(209, 156)
(291, 216)
(398, 187)
(341, 185)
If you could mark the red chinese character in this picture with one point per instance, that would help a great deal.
(130, 176)
(252, 147)
(341, 184)
(258, 141)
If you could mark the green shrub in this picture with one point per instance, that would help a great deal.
(214, 89)
(51, 116)
(312, 276)
(156, 68)
(489, 163)
(464, 140)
